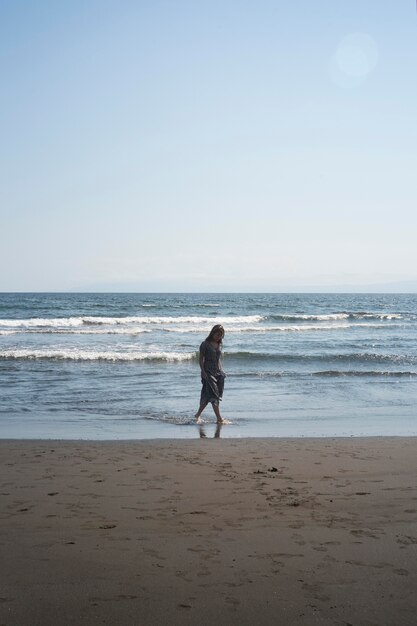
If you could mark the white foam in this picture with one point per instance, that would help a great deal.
(311, 327)
(375, 325)
(306, 327)
(93, 355)
(324, 317)
(193, 319)
(88, 331)
(380, 316)
(261, 329)
(42, 322)
(110, 321)
(164, 319)
(189, 328)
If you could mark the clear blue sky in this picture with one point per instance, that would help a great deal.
(208, 146)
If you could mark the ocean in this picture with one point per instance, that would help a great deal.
(125, 366)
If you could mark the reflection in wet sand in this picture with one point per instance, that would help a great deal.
(203, 433)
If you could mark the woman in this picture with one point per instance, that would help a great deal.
(212, 374)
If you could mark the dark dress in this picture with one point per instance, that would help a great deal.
(213, 385)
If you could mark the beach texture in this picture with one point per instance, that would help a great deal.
(209, 531)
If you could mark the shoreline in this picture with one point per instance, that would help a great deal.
(237, 531)
(194, 440)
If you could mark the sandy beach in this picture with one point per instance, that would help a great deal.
(209, 531)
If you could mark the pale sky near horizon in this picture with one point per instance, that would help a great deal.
(194, 146)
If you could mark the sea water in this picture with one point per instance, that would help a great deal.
(125, 366)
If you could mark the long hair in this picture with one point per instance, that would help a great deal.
(214, 330)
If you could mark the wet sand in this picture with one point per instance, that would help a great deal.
(210, 531)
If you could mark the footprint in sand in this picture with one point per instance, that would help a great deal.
(107, 526)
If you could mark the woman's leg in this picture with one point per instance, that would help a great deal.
(216, 410)
(200, 410)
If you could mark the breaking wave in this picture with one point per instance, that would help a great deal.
(338, 316)
(158, 320)
(360, 357)
(362, 373)
(94, 355)
(73, 328)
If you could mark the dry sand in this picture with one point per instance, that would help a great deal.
(211, 531)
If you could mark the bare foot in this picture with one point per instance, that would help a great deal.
(197, 418)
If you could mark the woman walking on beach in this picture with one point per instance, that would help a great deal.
(212, 374)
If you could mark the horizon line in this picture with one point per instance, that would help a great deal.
(302, 292)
